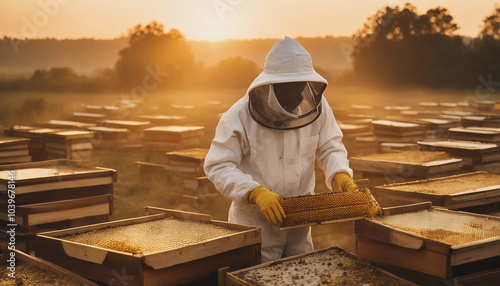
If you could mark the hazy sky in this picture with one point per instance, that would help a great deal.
(214, 19)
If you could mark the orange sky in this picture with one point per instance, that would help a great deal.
(214, 19)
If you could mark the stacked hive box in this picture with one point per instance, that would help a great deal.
(397, 132)
(160, 139)
(438, 126)
(186, 166)
(73, 145)
(476, 156)
(14, 150)
(404, 166)
(481, 134)
(108, 137)
(107, 110)
(366, 145)
(162, 120)
(179, 251)
(88, 117)
(481, 121)
(133, 126)
(475, 192)
(63, 124)
(55, 194)
(445, 244)
(36, 136)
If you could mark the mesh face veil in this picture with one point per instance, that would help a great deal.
(287, 105)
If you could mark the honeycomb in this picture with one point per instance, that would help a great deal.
(328, 206)
(153, 236)
(447, 227)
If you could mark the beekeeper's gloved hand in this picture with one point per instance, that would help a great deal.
(345, 182)
(269, 204)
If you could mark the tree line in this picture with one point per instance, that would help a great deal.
(396, 47)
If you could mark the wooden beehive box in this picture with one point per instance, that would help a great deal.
(106, 137)
(471, 152)
(162, 120)
(399, 132)
(180, 263)
(170, 138)
(433, 241)
(64, 124)
(331, 266)
(481, 134)
(88, 117)
(69, 144)
(14, 150)
(31, 270)
(403, 166)
(131, 125)
(453, 192)
(352, 131)
(53, 180)
(188, 162)
(36, 134)
(482, 121)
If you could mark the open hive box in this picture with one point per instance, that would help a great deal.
(433, 241)
(166, 248)
(481, 134)
(401, 166)
(31, 270)
(58, 191)
(332, 266)
(453, 192)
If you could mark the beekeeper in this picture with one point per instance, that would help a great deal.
(265, 145)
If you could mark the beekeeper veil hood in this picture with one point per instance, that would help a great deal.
(287, 94)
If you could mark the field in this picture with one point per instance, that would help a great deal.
(133, 192)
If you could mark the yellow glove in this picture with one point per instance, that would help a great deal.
(269, 204)
(345, 182)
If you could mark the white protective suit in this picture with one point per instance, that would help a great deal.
(245, 154)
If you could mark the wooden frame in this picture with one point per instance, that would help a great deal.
(476, 153)
(40, 263)
(375, 240)
(231, 279)
(470, 198)
(170, 267)
(94, 177)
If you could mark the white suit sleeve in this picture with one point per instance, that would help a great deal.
(221, 163)
(331, 153)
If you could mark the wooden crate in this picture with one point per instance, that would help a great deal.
(28, 216)
(162, 120)
(171, 267)
(383, 243)
(46, 267)
(14, 150)
(403, 166)
(64, 124)
(470, 152)
(458, 194)
(481, 134)
(88, 117)
(188, 162)
(48, 181)
(398, 132)
(132, 125)
(173, 133)
(482, 121)
(331, 261)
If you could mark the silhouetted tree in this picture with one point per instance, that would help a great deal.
(491, 25)
(232, 73)
(397, 46)
(154, 58)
